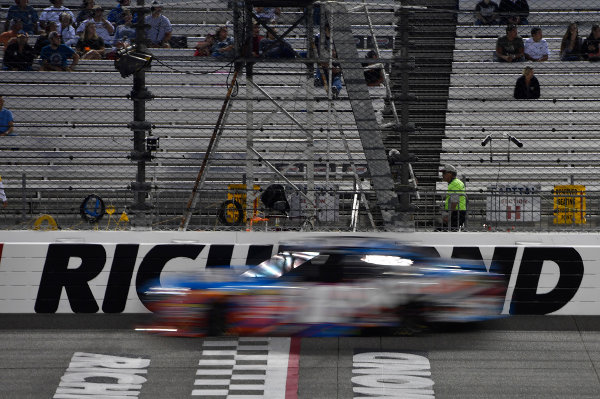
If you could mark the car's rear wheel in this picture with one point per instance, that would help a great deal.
(217, 319)
(412, 319)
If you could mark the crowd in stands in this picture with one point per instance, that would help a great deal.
(512, 48)
(64, 39)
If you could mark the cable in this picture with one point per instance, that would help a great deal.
(232, 62)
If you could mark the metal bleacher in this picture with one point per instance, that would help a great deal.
(72, 135)
(559, 131)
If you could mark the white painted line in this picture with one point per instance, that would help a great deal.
(242, 347)
(219, 352)
(250, 357)
(250, 367)
(277, 368)
(248, 377)
(268, 378)
(214, 372)
(210, 392)
(246, 387)
(246, 397)
(217, 362)
(221, 383)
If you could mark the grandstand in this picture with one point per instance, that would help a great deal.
(558, 131)
(73, 138)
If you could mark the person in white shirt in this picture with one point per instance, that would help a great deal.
(536, 48)
(160, 28)
(3, 194)
(52, 13)
(66, 30)
(104, 29)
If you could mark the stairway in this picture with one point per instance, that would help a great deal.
(431, 36)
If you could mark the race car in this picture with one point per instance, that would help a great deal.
(329, 287)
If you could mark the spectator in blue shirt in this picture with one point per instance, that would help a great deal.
(116, 14)
(125, 33)
(223, 46)
(6, 120)
(55, 55)
(26, 13)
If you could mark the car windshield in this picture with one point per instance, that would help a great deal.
(280, 264)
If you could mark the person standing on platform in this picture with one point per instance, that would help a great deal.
(455, 203)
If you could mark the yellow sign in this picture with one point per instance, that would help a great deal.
(237, 192)
(569, 204)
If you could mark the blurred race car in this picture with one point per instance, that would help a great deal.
(329, 288)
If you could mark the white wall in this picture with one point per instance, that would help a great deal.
(547, 273)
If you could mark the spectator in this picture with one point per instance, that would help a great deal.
(204, 47)
(104, 29)
(455, 203)
(571, 46)
(256, 38)
(374, 75)
(66, 30)
(486, 13)
(510, 47)
(7, 126)
(116, 17)
(513, 12)
(323, 68)
(336, 76)
(90, 46)
(160, 29)
(16, 27)
(87, 12)
(527, 86)
(26, 13)
(42, 40)
(52, 13)
(270, 47)
(536, 48)
(268, 14)
(55, 56)
(125, 33)
(591, 45)
(19, 55)
(223, 46)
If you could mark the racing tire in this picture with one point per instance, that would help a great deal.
(412, 319)
(216, 319)
(238, 213)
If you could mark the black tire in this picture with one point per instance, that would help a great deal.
(216, 319)
(92, 208)
(412, 319)
(238, 213)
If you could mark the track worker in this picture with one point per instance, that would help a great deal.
(455, 204)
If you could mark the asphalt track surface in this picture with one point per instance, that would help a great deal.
(516, 357)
